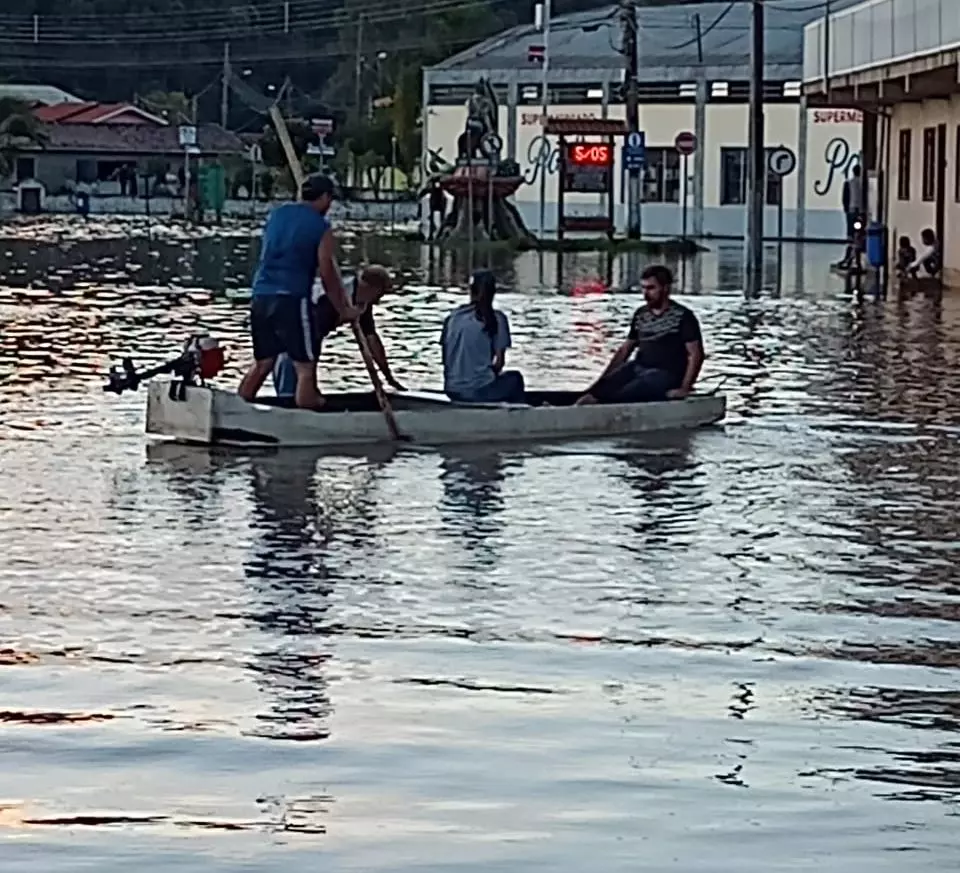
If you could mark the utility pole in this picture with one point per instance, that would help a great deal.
(826, 49)
(225, 87)
(544, 12)
(358, 70)
(628, 22)
(757, 162)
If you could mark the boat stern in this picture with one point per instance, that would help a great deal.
(189, 420)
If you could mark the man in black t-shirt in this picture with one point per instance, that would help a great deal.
(363, 291)
(669, 350)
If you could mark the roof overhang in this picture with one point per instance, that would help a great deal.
(434, 77)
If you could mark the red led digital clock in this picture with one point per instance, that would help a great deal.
(590, 155)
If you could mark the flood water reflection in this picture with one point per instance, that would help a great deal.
(735, 650)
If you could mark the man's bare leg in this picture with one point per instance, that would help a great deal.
(254, 378)
(307, 395)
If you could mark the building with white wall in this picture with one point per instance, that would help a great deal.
(898, 60)
(681, 89)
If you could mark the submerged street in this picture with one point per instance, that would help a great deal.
(734, 650)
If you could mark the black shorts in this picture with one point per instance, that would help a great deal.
(281, 323)
(852, 218)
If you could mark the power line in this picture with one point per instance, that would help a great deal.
(210, 58)
(224, 31)
(276, 17)
(190, 16)
(708, 29)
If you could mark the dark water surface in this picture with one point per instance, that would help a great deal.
(732, 651)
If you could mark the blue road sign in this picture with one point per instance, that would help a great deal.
(635, 151)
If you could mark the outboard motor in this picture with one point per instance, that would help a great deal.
(202, 358)
(207, 355)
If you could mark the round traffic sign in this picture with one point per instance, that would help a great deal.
(685, 143)
(634, 139)
(782, 161)
(491, 145)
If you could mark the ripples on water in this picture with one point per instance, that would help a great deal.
(734, 650)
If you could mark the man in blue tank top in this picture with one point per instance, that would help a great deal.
(298, 245)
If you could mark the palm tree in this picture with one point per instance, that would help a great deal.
(19, 131)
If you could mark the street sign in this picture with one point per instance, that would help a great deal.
(491, 145)
(685, 143)
(781, 161)
(187, 135)
(635, 151)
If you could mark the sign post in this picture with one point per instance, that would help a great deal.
(256, 158)
(781, 163)
(491, 146)
(187, 135)
(586, 167)
(686, 144)
(634, 160)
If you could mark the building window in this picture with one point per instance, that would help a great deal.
(86, 171)
(903, 165)
(25, 168)
(734, 167)
(661, 176)
(929, 187)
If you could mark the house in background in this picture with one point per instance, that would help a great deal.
(111, 148)
(37, 95)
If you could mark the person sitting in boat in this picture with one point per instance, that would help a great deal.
(665, 335)
(474, 342)
(298, 244)
(364, 292)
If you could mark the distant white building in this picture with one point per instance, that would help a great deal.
(38, 95)
(680, 92)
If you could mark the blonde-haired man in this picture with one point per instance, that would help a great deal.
(364, 291)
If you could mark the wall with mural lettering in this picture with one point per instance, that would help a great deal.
(834, 139)
(833, 146)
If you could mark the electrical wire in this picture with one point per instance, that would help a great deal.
(225, 30)
(370, 11)
(189, 17)
(58, 62)
(708, 29)
(813, 7)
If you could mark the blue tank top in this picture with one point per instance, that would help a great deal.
(288, 253)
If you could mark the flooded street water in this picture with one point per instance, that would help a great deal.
(731, 652)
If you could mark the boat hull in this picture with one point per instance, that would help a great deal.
(209, 416)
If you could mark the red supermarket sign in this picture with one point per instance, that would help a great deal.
(837, 116)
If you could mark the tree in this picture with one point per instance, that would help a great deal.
(175, 106)
(405, 115)
(301, 135)
(392, 55)
(19, 131)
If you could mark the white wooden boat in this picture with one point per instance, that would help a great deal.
(209, 416)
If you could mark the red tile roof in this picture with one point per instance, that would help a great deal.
(96, 113)
(60, 111)
(136, 139)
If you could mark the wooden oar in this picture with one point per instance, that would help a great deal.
(298, 177)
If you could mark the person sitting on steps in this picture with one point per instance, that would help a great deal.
(927, 263)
